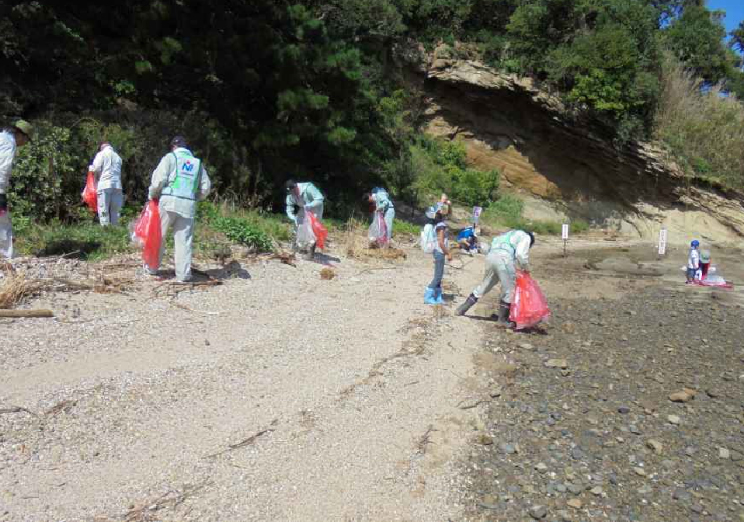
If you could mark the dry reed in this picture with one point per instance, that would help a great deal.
(358, 245)
(14, 288)
(703, 126)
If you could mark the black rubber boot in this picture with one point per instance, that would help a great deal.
(310, 253)
(467, 305)
(504, 309)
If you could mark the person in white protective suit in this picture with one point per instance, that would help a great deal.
(10, 139)
(508, 252)
(178, 182)
(380, 198)
(303, 198)
(107, 168)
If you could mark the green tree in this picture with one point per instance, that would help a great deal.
(696, 38)
(737, 38)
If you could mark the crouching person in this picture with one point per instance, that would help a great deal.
(508, 252)
(303, 198)
(179, 181)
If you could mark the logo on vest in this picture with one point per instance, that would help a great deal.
(188, 166)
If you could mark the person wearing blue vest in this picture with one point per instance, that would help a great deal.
(301, 198)
(178, 182)
(381, 200)
(508, 251)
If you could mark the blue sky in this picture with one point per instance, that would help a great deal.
(734, 11)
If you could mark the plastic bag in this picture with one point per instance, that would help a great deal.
(147, 234)
(90, 192)
(428, 239)
(529, 306)
(378, 230)
(305, 234)
(6, 235)
(714, 280)
(321, 232)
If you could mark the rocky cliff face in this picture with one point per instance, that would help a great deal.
(563, 166)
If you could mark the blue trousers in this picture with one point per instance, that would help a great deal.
(438, 270)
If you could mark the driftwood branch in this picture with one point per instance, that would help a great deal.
(366, 270)
(469, 404)
(16, 409)
(285, 257)
(26, 313)
(425, 440)
(242, 444)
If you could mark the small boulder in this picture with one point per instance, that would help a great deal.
(654, 445)
(557, 363)
(538, 512)
(685, 395)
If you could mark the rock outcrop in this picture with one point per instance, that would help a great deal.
(565, 165)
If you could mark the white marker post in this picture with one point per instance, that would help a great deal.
(476, 215)
(564, 235)
(662, 241)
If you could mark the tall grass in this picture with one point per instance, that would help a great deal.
(703, 128)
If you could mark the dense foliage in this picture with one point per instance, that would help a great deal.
(271, 89)
(442, 166)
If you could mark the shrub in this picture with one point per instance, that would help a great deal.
(506, 209)
(241, 231)
(47, 175)
(441, 166)
(474, 187)
(249, 228)
(547, 228)
(405, 227)
(578, 226)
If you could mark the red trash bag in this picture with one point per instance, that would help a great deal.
(321, 232)
(529, 306)
(90, 192)
(147, 234)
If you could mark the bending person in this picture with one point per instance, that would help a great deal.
(303, 198)
(508, 251)
(381, 199)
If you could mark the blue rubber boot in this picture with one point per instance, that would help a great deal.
(438, 296)
(429, 296)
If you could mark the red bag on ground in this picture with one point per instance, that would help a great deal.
(90, 192)
(321, 232)
(529, 306)
(147, 234)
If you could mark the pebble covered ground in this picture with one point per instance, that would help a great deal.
(627, 408)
